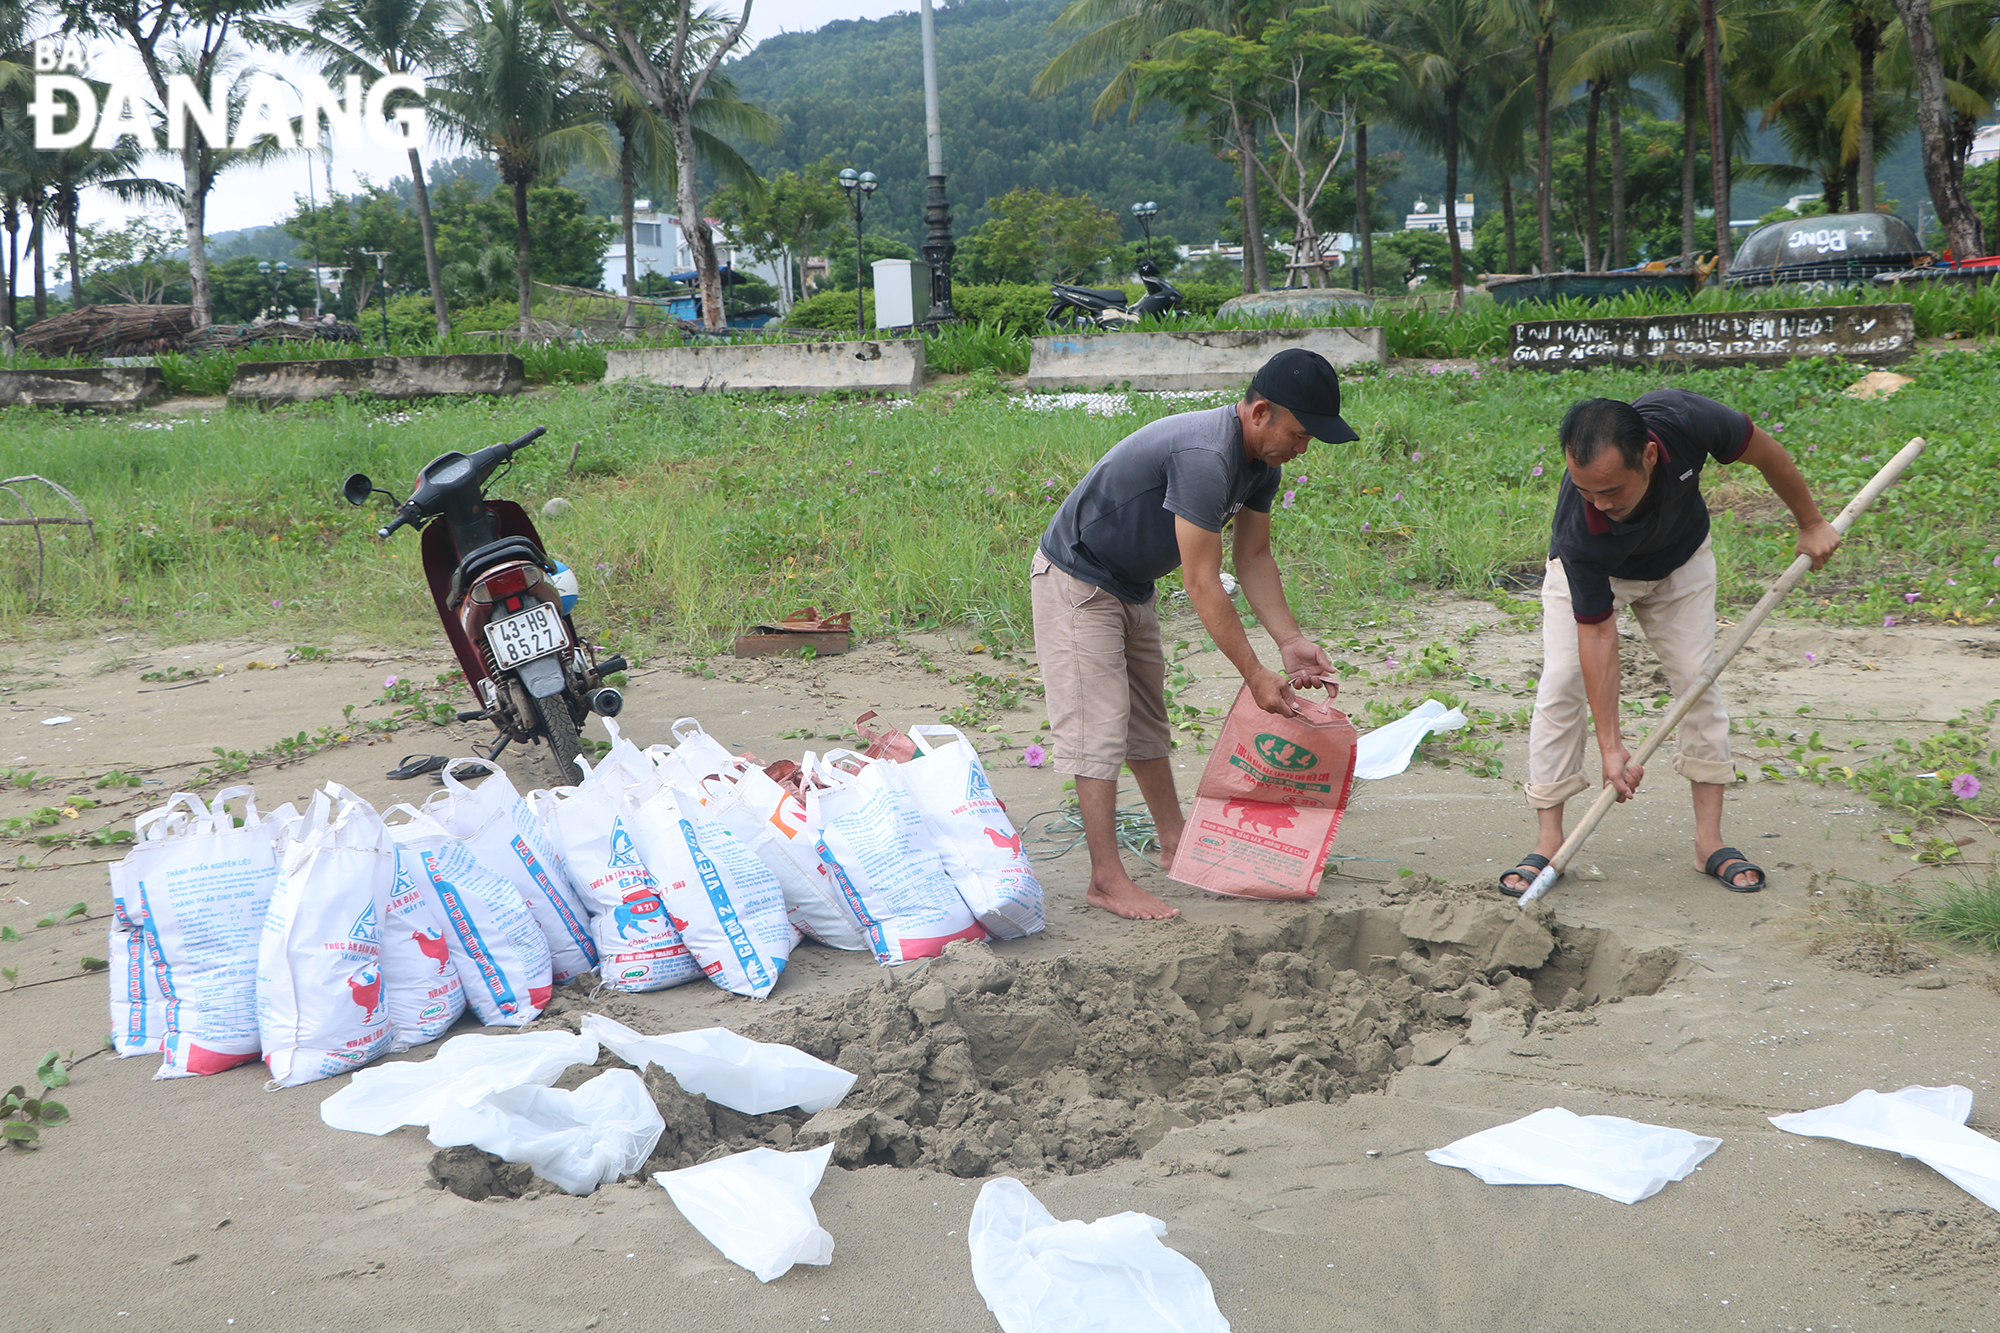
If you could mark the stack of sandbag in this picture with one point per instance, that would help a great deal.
(321, 1009)
(195, 889)
(638, 947)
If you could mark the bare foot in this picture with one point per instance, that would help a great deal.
(1130, 901)
(1166, 856)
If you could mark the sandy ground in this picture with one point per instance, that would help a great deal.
(210, 1203)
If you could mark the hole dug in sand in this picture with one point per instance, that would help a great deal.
(973, 1064)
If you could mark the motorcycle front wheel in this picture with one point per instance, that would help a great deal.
(559, 730)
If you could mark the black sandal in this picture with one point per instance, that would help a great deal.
(464, 772)
(1533, 861)
(416, 765)
(1728, 856)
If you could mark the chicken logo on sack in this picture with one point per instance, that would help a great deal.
(679, 924)
(1257, 815)
(433, 946)
(1286, 756)
(366, 990)
(1012, 844)
(637, 913)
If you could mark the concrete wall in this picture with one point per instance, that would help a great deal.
(83, 388)
(894, 366)
(1212, 359)
(1877, 335)
(390, 378)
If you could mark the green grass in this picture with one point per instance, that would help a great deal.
(696, 514)
(1965, 912)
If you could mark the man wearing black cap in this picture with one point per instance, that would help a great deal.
(1156, 502)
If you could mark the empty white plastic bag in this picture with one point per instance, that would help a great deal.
(1925, 1123)
(756, 1207)
(465, 1069)
(1604, 1154)
(754, 1077)
(1386, 751)
(1113, 1275)
(575, 1140)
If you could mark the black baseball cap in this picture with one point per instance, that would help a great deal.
(1304, 384)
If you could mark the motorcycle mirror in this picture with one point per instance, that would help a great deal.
(358, 488)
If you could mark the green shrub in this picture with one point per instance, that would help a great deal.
(832, 311)
(1018, 306)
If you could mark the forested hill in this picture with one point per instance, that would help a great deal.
(855, 89)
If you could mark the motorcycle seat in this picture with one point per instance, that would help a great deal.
(482, 558)
(1108, 295)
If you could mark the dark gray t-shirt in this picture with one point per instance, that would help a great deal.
(1116, 529)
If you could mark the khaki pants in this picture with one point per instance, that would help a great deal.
(1104, 670)
(1677, 614)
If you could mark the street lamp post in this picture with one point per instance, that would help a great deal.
(275, 274)
(1145, 213)
(381, 258)
(858, 188)
(938, 247)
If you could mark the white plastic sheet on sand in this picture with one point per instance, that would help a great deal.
(1605, 1154)
(465, 1069)
(1385, 751)
(576, 1140)
(756, 1207)
(754, 1077)
(1925, 1123)
(1113, 1275)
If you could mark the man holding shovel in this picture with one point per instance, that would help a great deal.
(1631, 529)
(1157, 501)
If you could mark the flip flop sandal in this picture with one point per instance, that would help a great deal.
(416, 765)
(1533, 861)
(1730, 856)
(465, 772)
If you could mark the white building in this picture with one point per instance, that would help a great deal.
(1431, 217)
(658, 246)
(1985, 146)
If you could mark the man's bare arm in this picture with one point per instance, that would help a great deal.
(1817, 537)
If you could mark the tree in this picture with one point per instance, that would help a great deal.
(1961, 225)
(340, 229)
(191, 39)
(513, 90)
(1294, 82)
(795, 212)
(375, 38)
(1042, 237)
(672, 85)
(132, 263)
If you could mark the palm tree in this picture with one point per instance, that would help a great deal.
(70, 171)
(673, 86)
(514, 90)
(1539, 23)
(1449, 55)
(1127, 32)
(374, 38)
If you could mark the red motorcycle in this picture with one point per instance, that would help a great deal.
(503, 612)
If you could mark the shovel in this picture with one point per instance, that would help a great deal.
(1786, 582)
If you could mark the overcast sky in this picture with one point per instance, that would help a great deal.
(249, 197)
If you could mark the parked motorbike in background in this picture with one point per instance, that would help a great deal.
(505, 606)
(1106, 308)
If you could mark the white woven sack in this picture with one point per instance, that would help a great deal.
(771, 823)
(198, 887)
(727, 905)
(638, 948)
(501, 831)
(419, 975)
(873, 841)
(321, 1009)
(500, 953)
(981, 849)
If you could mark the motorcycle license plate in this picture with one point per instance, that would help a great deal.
(535, 632)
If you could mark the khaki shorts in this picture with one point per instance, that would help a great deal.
(1677, 614)
(1104, 669)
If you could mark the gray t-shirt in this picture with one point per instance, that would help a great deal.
(1116, 529)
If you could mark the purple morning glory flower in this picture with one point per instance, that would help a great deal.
(1417, 457)
(1364, 528)
(1965, 786)
(1887, 621)
(1811, 658)
(1290, 498)
(1535, 471)
(1033, 756)
(1909, 597)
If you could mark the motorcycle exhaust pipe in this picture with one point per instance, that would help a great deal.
(606, 702)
